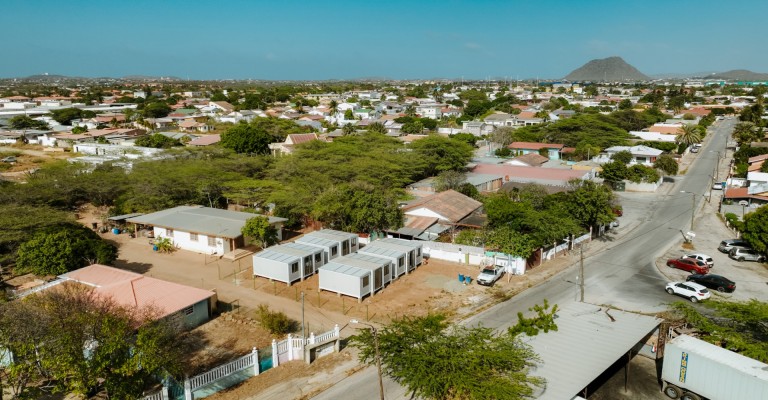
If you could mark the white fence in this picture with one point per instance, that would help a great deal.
(38, 288)
(222, 371)
(291, 347)
(565, 245)
(455, 253)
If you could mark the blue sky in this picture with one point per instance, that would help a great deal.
(413, 39)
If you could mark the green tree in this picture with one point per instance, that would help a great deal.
(688, 134)
(449, 180)
(63, 248)
(503, 136)
(591, 204)
(80, 129)
(624, 156)
(667, 164)
(260, 229)
(614, 171)
(82, 340)
(746, 132)
(625, 104)
(158, 141)
(65, 115)
(377, 127)
(465, 137)
(357, 207)
(246, 138)
(435, 360)
(544, 320)
(736, 326)
(756, 229)
(437, 154)
(156, 109)
(26, 122)
(20, 222)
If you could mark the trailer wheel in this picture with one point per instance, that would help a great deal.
(690, 396)
(672, 391)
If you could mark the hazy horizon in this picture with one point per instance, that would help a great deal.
(345, 40)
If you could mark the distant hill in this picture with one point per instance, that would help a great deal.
(607, 69)
(740, 75)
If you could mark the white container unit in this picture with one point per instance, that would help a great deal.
(329, 247)
(693, 367)
(354, 276)
(397, 256)
(348, 242)
(412, 247)
(286, 264)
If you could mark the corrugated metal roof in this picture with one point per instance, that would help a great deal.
(199, 219)
(124, 216)
(408, 244)
(317, 241)
(373, 261)
(275, 253)
(384, 251)
(345, 269)
(586, 343)
(331, 234)
(304, 247)
(136, 290)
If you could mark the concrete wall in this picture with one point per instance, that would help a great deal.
(184, 241)
(642, 186)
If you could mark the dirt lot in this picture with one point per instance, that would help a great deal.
(28, 158)
(433, 287)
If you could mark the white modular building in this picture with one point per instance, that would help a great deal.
(287, 262)
(397, 256)
(335, 243)
(413, 249)
(355, 275)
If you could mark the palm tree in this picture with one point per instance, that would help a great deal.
(377, 127)
(746, 132)
(348, 129)
(688, 134)
(334, 108)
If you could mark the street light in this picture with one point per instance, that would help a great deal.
(378, 355)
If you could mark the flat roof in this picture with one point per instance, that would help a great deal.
(124, 216)
(332, 234)
(317, 241)
(409, 244)
(588, 340)
(748, 366)
(384, 251)
(346, 269)
(304, 247)
(199, 219)
(371, 259)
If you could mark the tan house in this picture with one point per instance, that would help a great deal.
(287, 146)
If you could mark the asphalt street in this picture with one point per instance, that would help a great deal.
(619, 270)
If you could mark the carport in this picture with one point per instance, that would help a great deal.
(589, 339)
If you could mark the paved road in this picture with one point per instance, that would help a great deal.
(620, 272)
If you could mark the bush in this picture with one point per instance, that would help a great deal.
(734, 221)
(667, 164)
(276, 322)
(503, 152)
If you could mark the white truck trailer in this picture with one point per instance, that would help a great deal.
(694, 369)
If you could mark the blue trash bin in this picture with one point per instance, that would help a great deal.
(467, 280)
(461, 278)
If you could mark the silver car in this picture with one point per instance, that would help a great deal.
(745, 254)
(728, 244)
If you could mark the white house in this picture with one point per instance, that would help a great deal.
(640, 154)
(433, 111)
(356, 276)
(202, 229)
(288, 262)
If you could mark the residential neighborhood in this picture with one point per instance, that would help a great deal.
(345, 223)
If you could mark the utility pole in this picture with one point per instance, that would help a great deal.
(303, 336)
(693, 208)
(581, 272)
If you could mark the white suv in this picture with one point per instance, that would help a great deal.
(690, 290)
(701, 257)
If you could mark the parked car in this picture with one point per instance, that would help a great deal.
(712, 281)
(690, 290)
(727, 244)
(717, 186)
(489, 275)
(745, 254)
(689, 264)
(9, 159)
(701, 257)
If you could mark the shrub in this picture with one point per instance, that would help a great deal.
(276, 322)
(733, 220)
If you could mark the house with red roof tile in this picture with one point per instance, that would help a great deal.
(552, 150)
(290, 142)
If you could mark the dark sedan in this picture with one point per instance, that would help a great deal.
(716, 282)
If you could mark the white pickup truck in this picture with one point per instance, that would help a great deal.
(490, 274)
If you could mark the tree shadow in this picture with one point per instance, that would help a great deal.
(137, 267)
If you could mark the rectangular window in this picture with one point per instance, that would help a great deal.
(307, 260)
(294, 268)
(366, 281)
(193, 237)
(401, 261)
(189, 310)
(212, 241)
(354, 241)
(386, 270)
(418, 251)
(334, 251)
(169, 233)
(318, 257)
